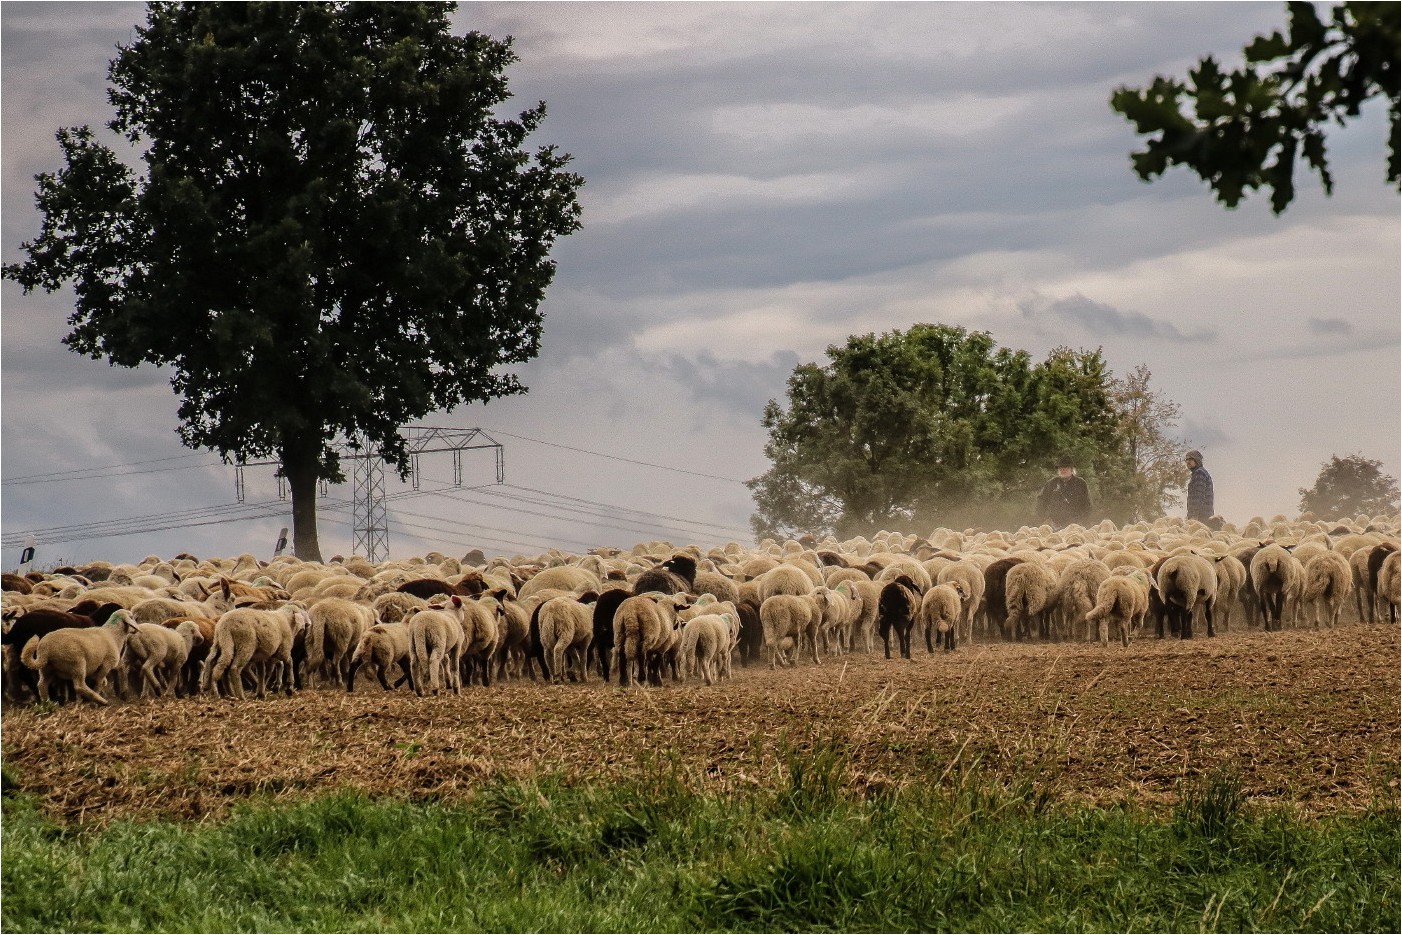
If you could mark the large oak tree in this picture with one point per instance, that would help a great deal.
(335, 233)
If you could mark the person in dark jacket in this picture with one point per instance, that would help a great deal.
(1065, 499)
(1199, 488)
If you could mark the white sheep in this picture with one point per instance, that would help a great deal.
(1390, 584)
(161, 652)
(940, 610)
(1029, 589)
(788, 616)
(1121, 600)
(436, 637)
(1275, 577)
(835, 617)
(79, 655)
(705, 646)
(969, 576)
(564, 628)
(642, 634)
(382, 646)
(335, 627)
(1325, 586)
(244, 636)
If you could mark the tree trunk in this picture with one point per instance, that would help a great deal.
(300, 467)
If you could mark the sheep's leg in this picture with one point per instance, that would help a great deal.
(148, 677)
(80, 686)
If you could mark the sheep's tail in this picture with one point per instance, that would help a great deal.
(29, 655)
(537, 648)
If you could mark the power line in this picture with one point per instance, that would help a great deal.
(610, 506)
(600, 454)
(108, 467)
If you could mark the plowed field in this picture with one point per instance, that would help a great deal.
(1307, 719)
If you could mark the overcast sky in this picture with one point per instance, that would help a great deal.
(761, 182)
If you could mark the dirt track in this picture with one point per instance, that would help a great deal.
(1306, 719)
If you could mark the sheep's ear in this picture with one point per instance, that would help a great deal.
(457, 602)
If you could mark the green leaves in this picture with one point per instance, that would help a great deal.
(931, 426)
(1349, 486)
(336, 232)
(1241, 130)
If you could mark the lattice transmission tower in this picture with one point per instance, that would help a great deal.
(369, 516)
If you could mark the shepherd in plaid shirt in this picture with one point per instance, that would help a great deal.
(1199, 488)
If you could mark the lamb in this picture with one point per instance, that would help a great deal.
(705, 645)
(79, 655)
(899, 606)
(161, 653)
(1186, 582)
(513, 632)
(1121, 600)
(1029, 588)
(642, 633)
(189, 681)
(436, 636)
(1390, 584)
(940, 609)
(789, 616)
(382, 646)
(562, 628)
(1275, 577)
(24, 623)
(243, 636)
(969, 577)
(1325, 584)
(335, 626)
(836, 611)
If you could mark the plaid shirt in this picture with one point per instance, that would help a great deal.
(1200, 494)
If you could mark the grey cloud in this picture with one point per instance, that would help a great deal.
(1206, 436)
(1328, 326)
(738, 386)
(1105, 321)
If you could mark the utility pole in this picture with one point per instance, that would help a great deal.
(369, 517)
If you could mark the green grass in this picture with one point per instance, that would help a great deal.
(542, 856)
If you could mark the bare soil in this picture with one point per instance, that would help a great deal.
(1306, 719)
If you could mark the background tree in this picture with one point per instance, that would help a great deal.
(335, 233)
(1156, 476)
(1349, 486)
(1246, 127)
(935, 426)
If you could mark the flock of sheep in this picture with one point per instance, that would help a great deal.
(224, 626)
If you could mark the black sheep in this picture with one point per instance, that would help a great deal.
(602, 645)
(677, 575)
(897, 609)
(995, 597)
